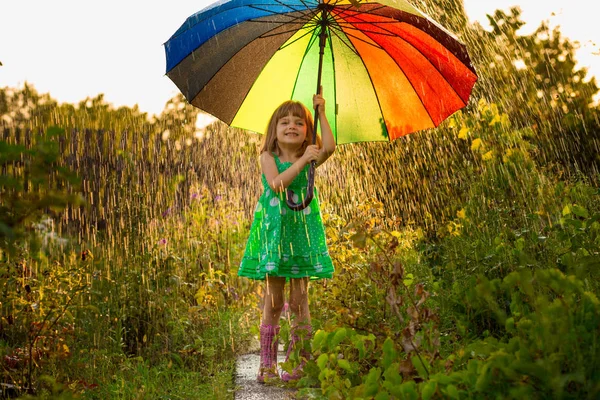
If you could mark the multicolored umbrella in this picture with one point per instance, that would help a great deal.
(386, 68)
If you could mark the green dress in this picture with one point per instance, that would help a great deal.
(284, 242)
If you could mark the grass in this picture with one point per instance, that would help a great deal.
(136, 379)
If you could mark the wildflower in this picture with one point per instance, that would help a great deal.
(162, 241)
(488, 156)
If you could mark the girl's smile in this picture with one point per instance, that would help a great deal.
(291, 129)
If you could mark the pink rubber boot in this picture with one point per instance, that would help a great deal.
(300, 335)
(269, 343)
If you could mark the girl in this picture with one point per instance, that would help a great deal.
(286, 245)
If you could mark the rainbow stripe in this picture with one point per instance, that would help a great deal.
(388, 69)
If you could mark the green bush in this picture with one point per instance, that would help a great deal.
(42, 275)
(548, 344)
(542, 343)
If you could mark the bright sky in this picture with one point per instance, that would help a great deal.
(75, 49)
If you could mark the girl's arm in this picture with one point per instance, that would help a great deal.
(278, 182)
(327, 139)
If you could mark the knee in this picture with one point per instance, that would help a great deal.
(298, 305)
(294, 307)
(274, 305)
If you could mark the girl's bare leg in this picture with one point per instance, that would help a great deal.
(299, 301)
(274, 300)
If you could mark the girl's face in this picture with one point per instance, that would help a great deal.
(291, 130)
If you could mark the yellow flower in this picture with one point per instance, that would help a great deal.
(495, 120)
(488, 156)
(462, 134)
(454, 228)
(461, 214)
(476, 144)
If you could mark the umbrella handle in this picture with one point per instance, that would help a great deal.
(310, 189)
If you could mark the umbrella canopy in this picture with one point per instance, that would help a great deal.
(387, 67)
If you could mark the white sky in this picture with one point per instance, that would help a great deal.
(75, 49)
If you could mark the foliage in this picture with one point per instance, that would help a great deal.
(537, 81)
(547, 324)
(186, 275)
(514, 214)
(522, 331)
(467, 258)
(448, 13)
(38, 291)
(26, 109)
(68, 303)
(177, 306)
(39, 302)
(31, 186)
(178, 119)
(549, 350)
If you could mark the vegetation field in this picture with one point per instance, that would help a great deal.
(467, 257)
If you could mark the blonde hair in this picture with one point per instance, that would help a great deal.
(296, 109)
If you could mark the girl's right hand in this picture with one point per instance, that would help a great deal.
(311, 153)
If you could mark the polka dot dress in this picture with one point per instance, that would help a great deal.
(284, 242)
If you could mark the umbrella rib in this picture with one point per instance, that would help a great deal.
(272, 12)
(375, 23)
(410, 82)
(349, 9)
(279, 2)
(424, 56)
(311, 10)
(308, 32)
(353, 28)
(306, 50)
(361, 21)
(293, 20)
(345, 12)
(204, 18)
(265, 35)
(306, 18)
(358, 38)
(266, 21)
(373, 85)
(335, 32)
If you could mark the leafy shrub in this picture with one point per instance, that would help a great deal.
(33, 185)
(548, 349)
(42, 275)
(526, 329)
